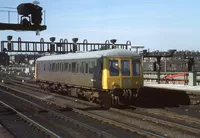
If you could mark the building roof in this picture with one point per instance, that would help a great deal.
(92, 54)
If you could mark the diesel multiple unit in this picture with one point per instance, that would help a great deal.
(108, 76)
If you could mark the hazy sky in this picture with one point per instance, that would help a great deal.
(156, 24)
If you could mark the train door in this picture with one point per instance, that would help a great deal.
(111, 73)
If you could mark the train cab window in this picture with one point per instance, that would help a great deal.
(114, 68)
(125, 67)
(136, 67)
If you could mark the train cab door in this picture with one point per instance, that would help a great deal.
(111, 73)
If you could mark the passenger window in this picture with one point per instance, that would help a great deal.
(69, 67)
(91, 66)
(44, 66)
(82, 67)
(77, 68)
(73, 67)
(125, 66)
(66, 66)
(86, 67)
(114, 68)
(136, 67)
(61, 67)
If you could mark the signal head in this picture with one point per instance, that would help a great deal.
(9, 37)
(113, 41)
(52, 39)
(74, 40)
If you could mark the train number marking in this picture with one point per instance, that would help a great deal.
(127, 93)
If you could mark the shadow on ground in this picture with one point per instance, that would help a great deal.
(160, 98)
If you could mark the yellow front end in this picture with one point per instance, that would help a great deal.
(122, 73)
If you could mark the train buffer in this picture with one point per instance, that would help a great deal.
(171, 78)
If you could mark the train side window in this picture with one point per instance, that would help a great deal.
(44, 67)
(125, 67)
(66, 67)
(114, 67)
(74, 67)
(69, 67)
(53, 67)
(91, 66)
(82, 68)
(136, 67)
(86, 67)
(77, 68)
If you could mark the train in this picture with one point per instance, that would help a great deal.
(112, 76)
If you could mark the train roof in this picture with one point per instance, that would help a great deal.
(92, 54)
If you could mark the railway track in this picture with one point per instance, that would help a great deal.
(152, 125)
(60, 119)
(122, 128)
(13, 121)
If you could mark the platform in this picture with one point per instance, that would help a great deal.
(178, 87)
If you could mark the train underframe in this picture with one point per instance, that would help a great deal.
(106, 98)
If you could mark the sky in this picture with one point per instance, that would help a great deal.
(155, 24)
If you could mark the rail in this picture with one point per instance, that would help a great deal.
(49, 132)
